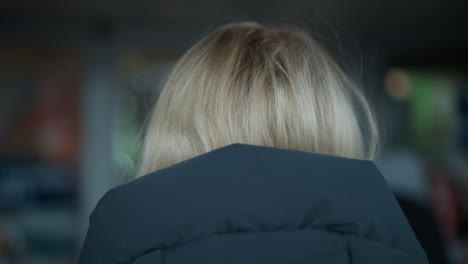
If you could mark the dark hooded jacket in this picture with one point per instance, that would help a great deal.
(248, 204)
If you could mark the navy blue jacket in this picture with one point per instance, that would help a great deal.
(248, 204)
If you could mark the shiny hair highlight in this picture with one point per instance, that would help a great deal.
(253, 84)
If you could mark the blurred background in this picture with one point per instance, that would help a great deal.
(77, 79)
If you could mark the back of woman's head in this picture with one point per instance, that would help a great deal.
(252, 84)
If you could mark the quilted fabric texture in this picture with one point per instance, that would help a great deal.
(246, 204)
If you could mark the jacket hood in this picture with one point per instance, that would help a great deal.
(253, 204)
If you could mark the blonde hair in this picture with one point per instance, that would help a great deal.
(252, 84)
